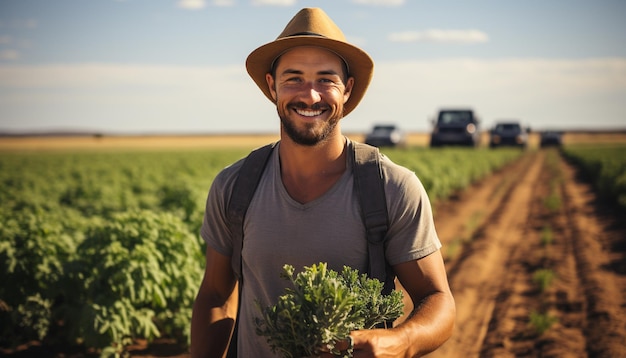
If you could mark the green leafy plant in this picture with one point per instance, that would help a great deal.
(547, 236)
(134, 276)
(33, 249)
(543, 278)
(541, 322)
(322, 308)
(604, 166)
(453, 249)
(552, 202)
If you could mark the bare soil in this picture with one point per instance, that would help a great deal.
(535, 216)
(530, 221)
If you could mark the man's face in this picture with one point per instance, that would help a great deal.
(310, 93)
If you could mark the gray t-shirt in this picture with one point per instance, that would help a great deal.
(279, 230)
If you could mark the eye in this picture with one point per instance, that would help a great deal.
(330, 80)
(293, 79)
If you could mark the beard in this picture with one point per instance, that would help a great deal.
(312, 133)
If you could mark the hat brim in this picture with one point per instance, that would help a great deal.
(360, 64)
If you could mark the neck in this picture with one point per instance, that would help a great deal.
(326, 156)
(308, 172)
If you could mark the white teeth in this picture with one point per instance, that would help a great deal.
(308, 113)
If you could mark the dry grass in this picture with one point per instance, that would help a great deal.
(45, 143)
(133, 142)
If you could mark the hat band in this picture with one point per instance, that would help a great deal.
(306, 33)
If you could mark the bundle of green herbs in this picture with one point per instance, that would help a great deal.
(322, 308)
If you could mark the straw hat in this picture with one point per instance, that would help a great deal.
(312, 27)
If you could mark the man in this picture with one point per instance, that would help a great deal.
(304, 210)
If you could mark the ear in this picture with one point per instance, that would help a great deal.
(348, 90)
(271, 84)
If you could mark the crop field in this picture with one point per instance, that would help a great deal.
(100, 252)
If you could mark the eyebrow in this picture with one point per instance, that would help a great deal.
(290, 71)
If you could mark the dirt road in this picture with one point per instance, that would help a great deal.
(536, 268)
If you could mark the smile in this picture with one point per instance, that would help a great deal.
(308, 113)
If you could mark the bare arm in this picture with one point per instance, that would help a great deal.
(430, 323)
(215, 308)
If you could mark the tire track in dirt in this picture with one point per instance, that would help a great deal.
(478, 276)
(547, 251)
(459, 218)
(599, 247)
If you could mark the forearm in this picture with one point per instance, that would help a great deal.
(428, 326)
(212, 324)
(431, 320)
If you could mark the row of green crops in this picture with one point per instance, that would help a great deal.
(605, 167)
(444, 171)
(99, 247)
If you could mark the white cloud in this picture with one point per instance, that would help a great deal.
(224, 3)
(19, 24)
(9, 55)
(106, 76)
(135, 98)
(142, 98)
(274, 2)
(541, 92)
(380, 2)
(440, 36)
(192, 4)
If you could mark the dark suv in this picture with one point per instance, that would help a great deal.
(387, 135)
(508, 133)
(550, 139)
(455, 127)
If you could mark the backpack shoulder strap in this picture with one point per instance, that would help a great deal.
(370, 187)
(241, 196)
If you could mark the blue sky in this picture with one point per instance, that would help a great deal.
(177, 66)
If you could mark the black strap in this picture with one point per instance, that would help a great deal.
(240, 198)
(370, 186)
(243, 191)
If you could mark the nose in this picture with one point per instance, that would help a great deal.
(310, 94)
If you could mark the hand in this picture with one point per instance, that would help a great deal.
(343, 348)
(368, 343)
